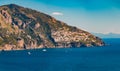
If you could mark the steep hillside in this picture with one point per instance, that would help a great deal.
(24, 28)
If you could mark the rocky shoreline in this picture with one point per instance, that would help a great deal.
(24, 28)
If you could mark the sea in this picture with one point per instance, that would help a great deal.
(105, 58)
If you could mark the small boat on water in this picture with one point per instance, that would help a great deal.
(44, 50)
(29, 53)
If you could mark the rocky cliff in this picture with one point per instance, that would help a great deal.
(24, 28)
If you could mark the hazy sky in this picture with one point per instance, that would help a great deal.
(100, 16)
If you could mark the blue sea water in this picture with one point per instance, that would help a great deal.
(105, 58)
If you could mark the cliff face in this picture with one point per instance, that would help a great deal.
(23, 28)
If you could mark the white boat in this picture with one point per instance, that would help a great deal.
(29, 53)
(44, 50)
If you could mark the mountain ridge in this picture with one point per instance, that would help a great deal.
(24, 28)
(108, 35)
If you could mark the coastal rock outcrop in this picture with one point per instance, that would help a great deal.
(24, 28)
